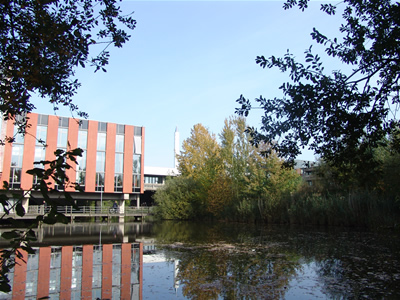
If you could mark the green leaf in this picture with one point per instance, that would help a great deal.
(20, 210)
(8, 235)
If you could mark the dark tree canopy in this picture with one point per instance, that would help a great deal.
(341, 116)
(42, 42)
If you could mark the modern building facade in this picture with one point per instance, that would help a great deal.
(111, 165)
(105, 271)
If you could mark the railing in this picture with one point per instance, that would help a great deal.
(90, 210)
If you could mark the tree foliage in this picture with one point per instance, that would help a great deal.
(216, 178)
(341, 115)
(43, 42)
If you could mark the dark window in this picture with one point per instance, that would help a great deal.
(102, 127)
(138, 131)
(120, 129)
(63, 122)
(83, 124)
(43, 119)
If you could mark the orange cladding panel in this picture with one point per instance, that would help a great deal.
(29, 152)
(66, 272)
(126, 256)
(128, 159)
(87, 272)
(44, 272)
(19, 282)
(106, 283)
(110, 158)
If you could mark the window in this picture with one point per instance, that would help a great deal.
(137, 144)
(136, 173)
(138, 131)
(82, 139)
(101, 141)
(63, 122)
(16, 165)
(102, 127)
(43, 120)
(101, 156)
(99, 182)
(119, 143)
(41, 135)
(82, 143)
(62, 139)
(83, 124)
(120, 129)
(118, 172)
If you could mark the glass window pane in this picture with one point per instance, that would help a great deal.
(136, 164)
(41, 135)
(82, 139)
(62, 139)
(100, 161)
(101, 141)
(18, 137)
(137, 141)
(119, 143)
(119, 163)
(81, 160)
(16, 155)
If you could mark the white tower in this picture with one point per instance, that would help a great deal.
(176, 149)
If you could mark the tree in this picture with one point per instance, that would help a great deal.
(200, 160)
(43, 42)
(340, 116)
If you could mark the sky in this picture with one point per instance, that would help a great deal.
(188, 61)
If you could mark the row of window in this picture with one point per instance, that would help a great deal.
(62, 143)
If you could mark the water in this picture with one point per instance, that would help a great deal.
(185, 260)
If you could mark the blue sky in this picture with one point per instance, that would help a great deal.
(188, 61)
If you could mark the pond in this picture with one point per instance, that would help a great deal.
(187, 260)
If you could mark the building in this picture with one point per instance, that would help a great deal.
(306, 169)
(110, 168)
(101, 271)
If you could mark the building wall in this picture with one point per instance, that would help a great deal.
(110, 271)
(30, 142)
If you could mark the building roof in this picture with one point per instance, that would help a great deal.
(160, 171)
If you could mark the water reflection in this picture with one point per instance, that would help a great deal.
(110, 271)
(181, 260)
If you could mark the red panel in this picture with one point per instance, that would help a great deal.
(18, 289)
(29, 152)
(87, 272)
(110, 158)
(128, 159)
(91, 157)
(106, 284)
(44, 272)
(51, 140)
(7, 154)
(126, 254)
(66, 272)
(142, 164)
(73, 128)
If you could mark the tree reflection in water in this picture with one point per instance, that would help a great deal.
(231, 261)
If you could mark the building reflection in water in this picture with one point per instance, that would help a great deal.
(108, 271)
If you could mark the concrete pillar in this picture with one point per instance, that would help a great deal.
(25, 201)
